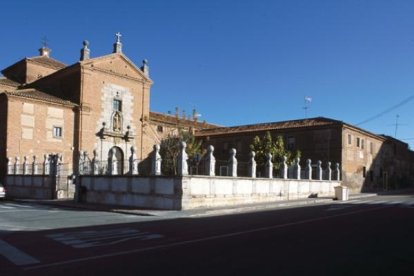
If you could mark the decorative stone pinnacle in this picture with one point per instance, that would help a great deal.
(145, 67)
(85, 52)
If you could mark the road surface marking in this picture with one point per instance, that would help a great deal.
(92, 238)
(15, 255)
(187, 242)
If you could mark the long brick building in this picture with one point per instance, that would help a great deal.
(368, 161)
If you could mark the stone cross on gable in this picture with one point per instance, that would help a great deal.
(118, 44)
(118, 37)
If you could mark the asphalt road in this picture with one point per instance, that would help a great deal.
(371, 236)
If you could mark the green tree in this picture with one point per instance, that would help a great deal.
(276, 147)
(170, 148)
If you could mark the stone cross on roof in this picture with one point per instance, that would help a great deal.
(118, 44)
(118, 37)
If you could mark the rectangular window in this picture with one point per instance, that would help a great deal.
(160, 128)
(362, 143)
(371, 147)
(349, 139)
(358, 142)
(57, 132)
(117, 105)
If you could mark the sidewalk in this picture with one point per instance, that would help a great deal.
(65, 203)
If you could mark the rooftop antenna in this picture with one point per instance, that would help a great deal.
(397, 124)
(308, 101)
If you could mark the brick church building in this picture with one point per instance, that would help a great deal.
(95, 108)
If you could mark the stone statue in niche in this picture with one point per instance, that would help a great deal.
(117, 122)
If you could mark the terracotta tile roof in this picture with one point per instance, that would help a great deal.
(48, 61)
(319, 121)
(173, 120)
(8, 82)
(32, 93)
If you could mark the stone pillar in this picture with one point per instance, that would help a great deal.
(35, 166)
(182, 165)
(156, 161)
(319, 171)
(81, 163)
(86, 163)
(46, 165)
(284, 168)
(210, 166)
(252, 165)
(308, 169)
(59, 164)
(329, 171)
(10, 169)
(297, 169)
(95, 162)
(269, 166)
(25, 165)
(133, 162)
(17, 166)
(337, 172)
(113, 163)
(233, 163)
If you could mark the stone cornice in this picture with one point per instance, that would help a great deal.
(112, 73)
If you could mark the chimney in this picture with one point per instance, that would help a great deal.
(45, 51)
(85, 52)
(118, 44)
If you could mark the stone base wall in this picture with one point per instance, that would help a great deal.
(36, 187)
(33, 187)
(145, 192)
(189, 192)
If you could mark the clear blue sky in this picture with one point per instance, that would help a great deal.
(243, 61)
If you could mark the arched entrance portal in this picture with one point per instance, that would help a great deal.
(116, 161)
